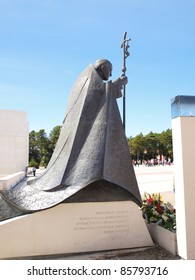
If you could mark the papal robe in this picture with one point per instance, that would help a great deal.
(91, 160)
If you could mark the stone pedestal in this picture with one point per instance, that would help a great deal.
(183, 128)
(75, 227)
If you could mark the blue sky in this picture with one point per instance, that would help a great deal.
(45, 44)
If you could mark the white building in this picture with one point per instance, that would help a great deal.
(14, 141)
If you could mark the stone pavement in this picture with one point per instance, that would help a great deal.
(153, 253)
(157, 179)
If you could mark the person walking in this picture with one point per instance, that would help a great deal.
(34, 171)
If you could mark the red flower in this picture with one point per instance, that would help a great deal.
(149, 200)
(159, 208)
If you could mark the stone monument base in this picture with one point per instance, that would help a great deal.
(74, 227)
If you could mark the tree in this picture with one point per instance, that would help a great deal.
(165, 139)
(39, 148)
(54, 135)
(151, 145)
(136, 146)
(33, 149)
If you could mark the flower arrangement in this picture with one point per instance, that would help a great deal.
(154, 210)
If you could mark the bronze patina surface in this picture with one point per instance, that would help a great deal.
(91, 160)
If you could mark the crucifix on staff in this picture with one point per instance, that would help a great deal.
(124, 46)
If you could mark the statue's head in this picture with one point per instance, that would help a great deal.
(104, 68)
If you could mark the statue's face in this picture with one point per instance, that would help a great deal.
(106, 71)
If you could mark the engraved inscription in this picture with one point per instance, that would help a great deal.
(114, 221)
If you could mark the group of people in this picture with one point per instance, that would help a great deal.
(152, 162)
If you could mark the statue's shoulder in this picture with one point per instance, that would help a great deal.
(87, 71)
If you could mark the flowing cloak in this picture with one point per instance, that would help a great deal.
(91, 160)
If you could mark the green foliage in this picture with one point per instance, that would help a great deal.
(136, 145)
(41, 147)
(33, 162)
(54, 135)
(151, 145)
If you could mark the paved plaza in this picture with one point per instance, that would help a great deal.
(157, 179)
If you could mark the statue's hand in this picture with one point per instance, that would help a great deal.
(119, 83)
(124, 80)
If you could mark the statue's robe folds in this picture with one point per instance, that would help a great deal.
(91, 160)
